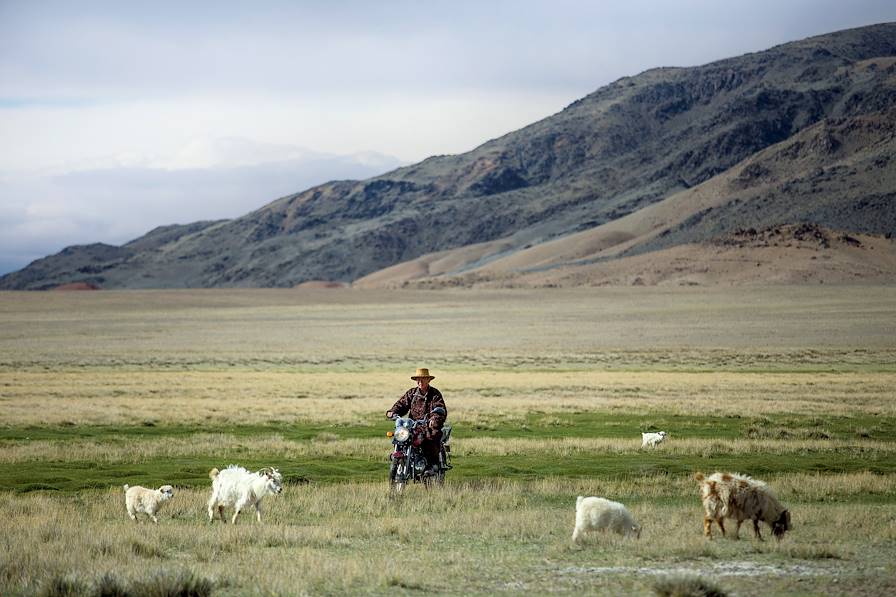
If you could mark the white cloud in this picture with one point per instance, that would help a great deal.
(41, 214)
(178, 134)
(171, 111)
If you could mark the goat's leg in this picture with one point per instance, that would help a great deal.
(707, 526)
(132, 514)
(154, 519)
(221, 514)
(211, 511)
(721, 522)
(737, 530)
(258, 511)
(756, 530)
(237, 508)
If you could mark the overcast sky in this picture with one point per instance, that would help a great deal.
(116, 117)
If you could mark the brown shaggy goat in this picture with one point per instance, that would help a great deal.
(741, 498)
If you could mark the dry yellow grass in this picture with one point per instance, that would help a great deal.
(209, 359)
(465, 538)
(117, 396)
(377, 447)
(351, 330)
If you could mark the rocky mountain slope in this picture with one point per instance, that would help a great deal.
(799, 133)
(838, 171)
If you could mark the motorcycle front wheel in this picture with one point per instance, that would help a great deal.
(398, 475)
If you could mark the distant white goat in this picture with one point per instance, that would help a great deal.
(237, 487)
(599, 514)
(148, 501)
(653, 438)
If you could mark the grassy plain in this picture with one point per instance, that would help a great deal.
(548, 391)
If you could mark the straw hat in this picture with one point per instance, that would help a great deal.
(422, 373)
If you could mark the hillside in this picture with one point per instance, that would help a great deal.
(691, 139)
(838, 170)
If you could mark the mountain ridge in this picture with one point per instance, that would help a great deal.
(622, 148)
(701, 215)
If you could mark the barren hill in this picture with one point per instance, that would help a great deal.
(838, 172)
(670, 157)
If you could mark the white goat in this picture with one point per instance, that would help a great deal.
(652, 438)
(237, 487)
(595, 513)
(148, 501)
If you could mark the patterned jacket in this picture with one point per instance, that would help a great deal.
(418, 405)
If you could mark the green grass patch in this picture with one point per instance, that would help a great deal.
(192, 470)
(532, 425)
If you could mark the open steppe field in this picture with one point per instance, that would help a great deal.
(548, 391)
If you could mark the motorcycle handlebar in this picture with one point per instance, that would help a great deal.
(425, 418)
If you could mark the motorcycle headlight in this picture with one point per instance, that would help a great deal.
(402, 434)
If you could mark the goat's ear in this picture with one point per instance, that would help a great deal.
(699, 476)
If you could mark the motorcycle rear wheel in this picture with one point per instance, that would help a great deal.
(433, 480)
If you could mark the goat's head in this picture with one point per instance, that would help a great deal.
(708, 489)
(273, 478)
(166, 492)
(782, 525)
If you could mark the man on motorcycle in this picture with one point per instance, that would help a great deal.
(420, 402)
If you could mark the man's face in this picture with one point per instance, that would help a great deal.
(423, 384)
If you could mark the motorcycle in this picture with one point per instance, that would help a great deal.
(408, 462)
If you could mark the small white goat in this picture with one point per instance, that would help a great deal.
(148, 501)
(652, 438)
(599, 514)
(237, 487)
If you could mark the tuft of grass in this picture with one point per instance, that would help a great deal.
(686, 585)
(401, 583)
(784, 433)
(109, 585)
(182, 583)
(818, 434)
(63, 585)
(144, 550)
(103, 548)
(812, 552)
